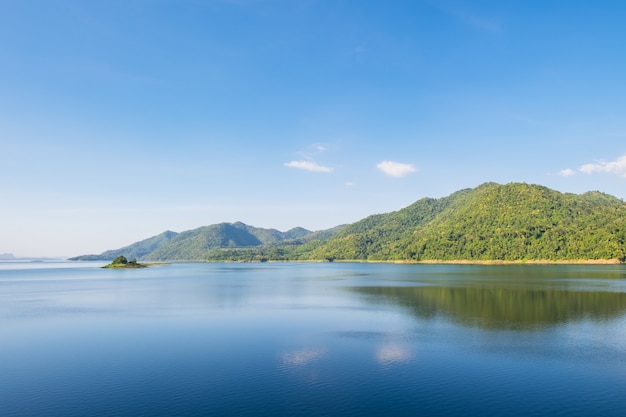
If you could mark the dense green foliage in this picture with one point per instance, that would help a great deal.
(377, 237)
(122, 262)
(234, 242)
(219, 242)
(512, 222)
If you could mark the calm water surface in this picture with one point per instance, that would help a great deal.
(312, 339)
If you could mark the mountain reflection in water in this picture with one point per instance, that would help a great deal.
(502, 308)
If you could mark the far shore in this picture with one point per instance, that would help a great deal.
(436, 262)
(522, 262)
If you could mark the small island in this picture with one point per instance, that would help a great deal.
(122, 262)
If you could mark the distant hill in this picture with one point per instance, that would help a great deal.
(200, 243)
(492, 222)
(137, 250)
(7, 256)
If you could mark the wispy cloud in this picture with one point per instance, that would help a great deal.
(308, 166)
(313, 150)
(308, 155)
(566, 172)
(471, 19)
(477, 22)
(396, 169)
(617, 167)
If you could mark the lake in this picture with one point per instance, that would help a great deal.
(309, 339)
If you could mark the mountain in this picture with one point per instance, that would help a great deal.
(137, 250)
(193, 244)
(7, 256)
(375, 237)
(203, 242)
(492, 222)
(233, 241)
(512, 222)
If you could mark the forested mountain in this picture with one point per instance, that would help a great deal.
(200, 243)
(491, 222)
(512, 222)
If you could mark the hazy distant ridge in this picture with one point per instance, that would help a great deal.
(137, 250)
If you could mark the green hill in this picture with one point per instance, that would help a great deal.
(235, 242)
(376, 237)
(512, 222)
(193, 244)
(137, 250)
(492, 222)
(211, 243)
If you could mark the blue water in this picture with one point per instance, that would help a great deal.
(312, 339)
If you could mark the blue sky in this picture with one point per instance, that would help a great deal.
(121, 119)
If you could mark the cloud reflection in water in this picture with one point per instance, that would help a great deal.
(302, 357)
(393, 353)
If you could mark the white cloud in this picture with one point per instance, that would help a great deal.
(396, 169)
(617, 167)
(350, 184)
(567, 172)
(308, 166)
(314, 149)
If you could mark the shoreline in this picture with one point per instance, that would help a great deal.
(521, 262)
(436, 262)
